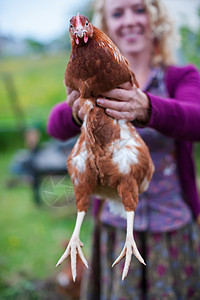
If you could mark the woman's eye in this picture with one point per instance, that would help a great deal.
(117, 14)
(141, 10)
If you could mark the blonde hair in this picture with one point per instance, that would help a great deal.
(164, 34)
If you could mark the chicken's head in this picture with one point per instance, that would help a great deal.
(80, 29)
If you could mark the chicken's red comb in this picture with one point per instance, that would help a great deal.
(78, 20)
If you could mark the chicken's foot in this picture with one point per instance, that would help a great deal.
(74, 246)
(129, 247)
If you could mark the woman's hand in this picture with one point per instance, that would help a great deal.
(126, 102)
(73, 100)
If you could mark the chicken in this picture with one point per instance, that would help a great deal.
(110, 159)
(65, 284)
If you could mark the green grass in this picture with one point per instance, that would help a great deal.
(39, 83)
(32, 237)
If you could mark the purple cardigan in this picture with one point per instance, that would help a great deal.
(177, 117)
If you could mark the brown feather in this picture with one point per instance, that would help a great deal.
(96, 67)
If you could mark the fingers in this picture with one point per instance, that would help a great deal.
(123, 108)
(130, 104)
(73, 101)
(128, 116)
(126, 86)
(116, 109)
(76, 106)
(118, 94)
(114, 105)
(124, 92)
(81, 113)
(68, 90)
(72, 96)
(126, 102)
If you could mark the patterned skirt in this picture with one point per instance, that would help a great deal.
(172, 271)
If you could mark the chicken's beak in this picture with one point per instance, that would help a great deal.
(81, 35)
(80, 31)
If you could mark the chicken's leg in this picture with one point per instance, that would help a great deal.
(74, 246)
(129, 247)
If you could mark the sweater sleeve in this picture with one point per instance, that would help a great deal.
(61, 124)
(178, 116)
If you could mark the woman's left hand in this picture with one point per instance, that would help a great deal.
(126, 102)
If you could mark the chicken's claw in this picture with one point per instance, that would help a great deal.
(129, 249)
(73, 248)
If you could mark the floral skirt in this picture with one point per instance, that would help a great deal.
(172, 271)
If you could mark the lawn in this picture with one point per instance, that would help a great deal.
(32, 238)
(38, 82)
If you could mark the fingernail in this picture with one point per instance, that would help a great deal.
(99, 101)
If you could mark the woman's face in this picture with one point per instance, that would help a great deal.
(128, 25)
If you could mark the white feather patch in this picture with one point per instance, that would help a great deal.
(144, 185)
(79, 160)
(117, 209)
(124, 150)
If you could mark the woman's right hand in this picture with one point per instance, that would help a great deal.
(73, 101)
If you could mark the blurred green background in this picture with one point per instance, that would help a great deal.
(32, 236)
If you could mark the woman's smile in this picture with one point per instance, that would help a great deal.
(131, 35)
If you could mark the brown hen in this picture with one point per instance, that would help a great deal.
(109, 159)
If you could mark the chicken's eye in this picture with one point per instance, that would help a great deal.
(86, 23)
(71, 26)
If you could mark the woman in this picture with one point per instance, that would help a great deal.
(166, 111)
